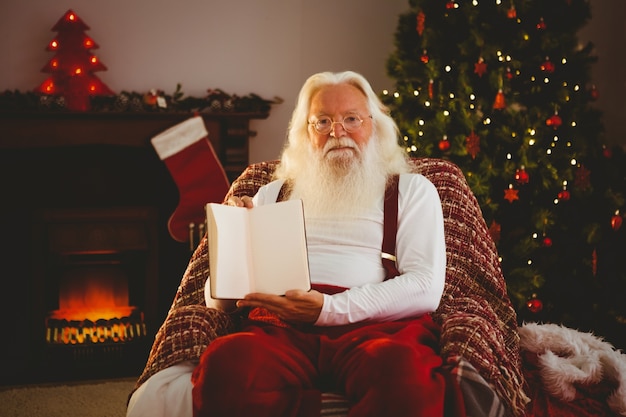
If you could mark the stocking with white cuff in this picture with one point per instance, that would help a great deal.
(196, 170)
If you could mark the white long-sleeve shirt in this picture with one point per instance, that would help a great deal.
(347, 253)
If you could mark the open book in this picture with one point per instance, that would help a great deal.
(260, 249)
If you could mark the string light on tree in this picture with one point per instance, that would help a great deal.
(518, 86)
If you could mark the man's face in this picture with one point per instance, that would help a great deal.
(336, 102)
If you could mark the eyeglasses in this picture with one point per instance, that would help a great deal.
(350, 123)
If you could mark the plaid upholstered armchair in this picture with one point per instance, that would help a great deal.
(479, 339)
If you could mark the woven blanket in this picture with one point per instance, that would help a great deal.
(478, 321)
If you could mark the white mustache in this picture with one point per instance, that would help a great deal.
(342, 142)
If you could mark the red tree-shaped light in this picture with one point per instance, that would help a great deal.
(73, 65)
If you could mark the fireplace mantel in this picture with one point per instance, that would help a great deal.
(60, 162)
(228, 132)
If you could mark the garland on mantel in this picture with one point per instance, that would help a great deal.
(216, 101)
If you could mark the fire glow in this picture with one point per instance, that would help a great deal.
(94, 308)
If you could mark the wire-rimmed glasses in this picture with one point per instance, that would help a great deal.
(350, 123)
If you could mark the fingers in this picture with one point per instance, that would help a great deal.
(244, 201)
(296, 305)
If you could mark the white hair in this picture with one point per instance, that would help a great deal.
(385, 131)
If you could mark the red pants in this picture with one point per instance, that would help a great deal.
(384, 369)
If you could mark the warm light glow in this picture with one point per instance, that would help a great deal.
(93, 59)
(92, 88)
(93, 293)
(48, 87)
(54, 44)
(88, 42)
(71, 17)
(78, 314)
(54, 63)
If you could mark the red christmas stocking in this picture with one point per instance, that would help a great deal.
(196, 170)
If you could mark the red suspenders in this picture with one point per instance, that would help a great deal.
(390, 224)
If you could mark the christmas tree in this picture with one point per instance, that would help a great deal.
(503, 89)
(73, 65)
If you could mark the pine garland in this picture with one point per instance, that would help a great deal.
(215, 100)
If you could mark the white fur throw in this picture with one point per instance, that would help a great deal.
(567, 356)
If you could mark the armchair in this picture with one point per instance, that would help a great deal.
(479, 337)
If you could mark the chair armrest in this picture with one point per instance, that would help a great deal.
(184, 335)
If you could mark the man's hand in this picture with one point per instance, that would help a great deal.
(244, 201)
(296, 306)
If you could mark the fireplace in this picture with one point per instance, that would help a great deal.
(89, 269)
(97, 268)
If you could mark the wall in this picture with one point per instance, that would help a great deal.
(267, 47)
(608, 34)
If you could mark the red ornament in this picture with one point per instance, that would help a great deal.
(72, 66)
(521, 176)
(534, 305)
(594, 93)
(451, 5)
(563, 195)
(555, 121)
(444, 144)
(511, 13)
(472, 144)
(616, 221)
(424, 58)
(500, 102)
(509, 73)
(541, 25)
(547, 66)
(421, 20)
(431, 85)
(480, 67)
(607, 152)
(511, 194)
(546, 242)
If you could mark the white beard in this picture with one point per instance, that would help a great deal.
(340, 182)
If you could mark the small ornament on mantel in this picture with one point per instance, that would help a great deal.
(73, 65)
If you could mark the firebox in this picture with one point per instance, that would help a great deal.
(98, 270)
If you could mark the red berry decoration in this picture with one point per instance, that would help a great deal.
(547, 242)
